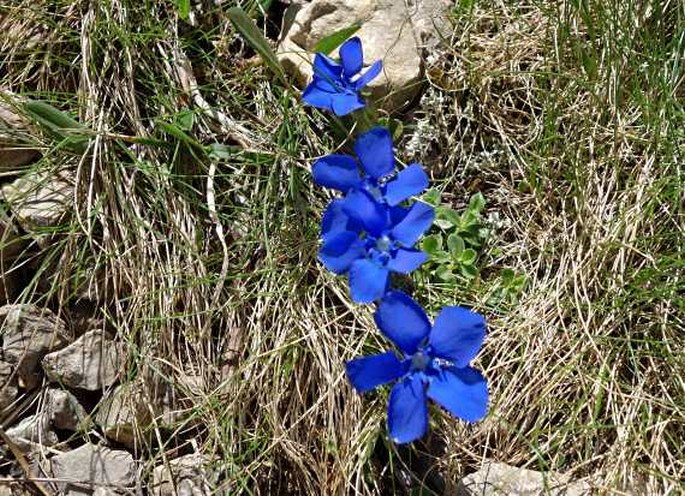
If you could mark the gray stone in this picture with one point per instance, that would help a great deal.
(92, 362)
(29, 333)
(395, 31)
(40, 201)
(124, 412)
(11, 245)
(15, 151)
(500, 479)
(31, 432)
(91, 466)
(64, 410)
(8, 384)
(187, 476)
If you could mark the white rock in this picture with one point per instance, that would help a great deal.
(29, 332)
(11, 245)
(189, 475)
(14, 150)
(500, 479)
(90, 466)
(64, 410)
(392, 30)
(92, 362)
(8, 384)
(123, 412)
(32, 431)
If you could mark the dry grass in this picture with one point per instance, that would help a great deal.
(205, 263)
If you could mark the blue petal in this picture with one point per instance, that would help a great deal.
(336, 171)
(407, 410)
(406, 261)
(340, 250)
(461, 391)
(457, 335)
(374, 149)
(334, 219)
(361, 206)
(417, 221)
(344, 103)
(327, 69)
(368, 281)
(351, 56)
(316, 97)
(369, 75)
(410, 181)
(369, 372)
(402, 321)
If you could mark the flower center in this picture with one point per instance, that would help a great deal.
(420, 361)
(383, 243)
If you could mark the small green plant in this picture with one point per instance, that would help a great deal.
(508, 287)
(454, 249)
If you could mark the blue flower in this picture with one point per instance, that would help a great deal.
(435, 365)
(336, 87)
(369, 240)
(374, 151)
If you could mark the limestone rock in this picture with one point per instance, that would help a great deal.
(92, 362)
(8, 385)
(14, 148)
(29, 332)
(40, 201)
(64, 410)
(500, 479)
(124, 411)
(392, 30)
(187, 476)
(93, 466)
(32, 431)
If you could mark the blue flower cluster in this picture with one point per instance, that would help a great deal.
(370, 232)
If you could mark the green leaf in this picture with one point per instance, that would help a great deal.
(256, 39)
(432, 244)
(432, 197)
(445, 273)
(455, 243)
(178, 133)
(185, 120)
(183, 8)
(59, 124)
(329, 43)
(468, 271)
(468, 256)
(448, 215)
(477, 203)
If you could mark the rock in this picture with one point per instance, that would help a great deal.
(30, 332)
(187, 476)
(93, 466)
(92, 362)
(123, 412)
(14, 148)
(64, 410)
(32, 431)
(40, 201)
(392, 30)
(8, 385)
(500, 479)
(11, 244)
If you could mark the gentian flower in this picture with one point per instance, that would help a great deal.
(374, 151)
(435, 365)
(369, 240)
(335, 86)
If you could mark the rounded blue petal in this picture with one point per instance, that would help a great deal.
(340, 250)
(374, 149)
(407, 410)
(402, 321)
(368, 281)
(326, 68)
(316, 97)
(334, 219)
(461, 391)
(351, 56)
(410, 181)
(457, 335)
(369, 75)
(361, 206)
(407, 260)
(336, 171)
(344, 103)
(417, 221)
(367, 373)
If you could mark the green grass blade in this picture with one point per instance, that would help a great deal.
(329, 43)
(255, 38)
(59, 124)
(183, 8)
